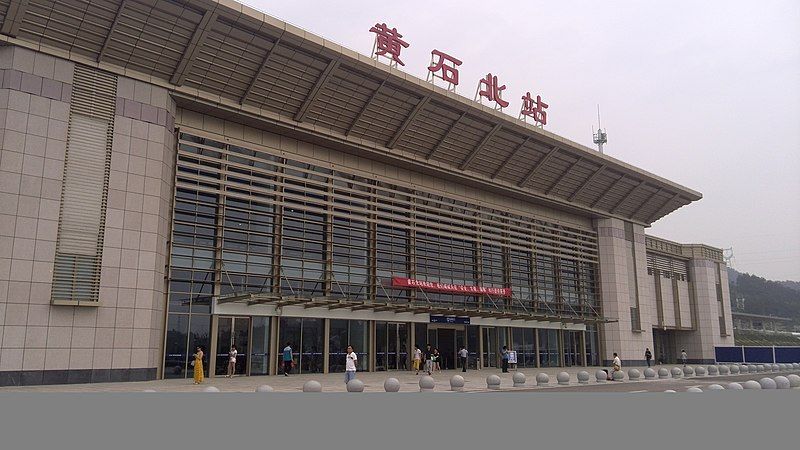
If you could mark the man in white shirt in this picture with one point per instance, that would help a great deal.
(684, 357)
(617, 367)
(232, 361)
(350, 365)
(463, 355)
(417, 358)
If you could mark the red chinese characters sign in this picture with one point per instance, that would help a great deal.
(492, 90)
(535, 109)
(447, 64)
(400, 282)
(388, 41)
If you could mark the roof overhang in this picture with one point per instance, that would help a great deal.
(229, 60)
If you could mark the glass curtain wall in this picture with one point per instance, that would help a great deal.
(191, 282)
(391, 344)
(592, 346)
(573, 351)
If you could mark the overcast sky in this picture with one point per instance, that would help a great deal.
(706, 94)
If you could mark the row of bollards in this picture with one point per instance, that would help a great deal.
(791, 381)
(427, 383)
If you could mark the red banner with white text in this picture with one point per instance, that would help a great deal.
(400, 282)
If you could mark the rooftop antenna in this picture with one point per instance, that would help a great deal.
(600, 137)
(727, 255)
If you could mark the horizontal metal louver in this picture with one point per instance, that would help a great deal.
(84, 195)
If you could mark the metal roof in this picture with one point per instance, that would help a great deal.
(234, 61)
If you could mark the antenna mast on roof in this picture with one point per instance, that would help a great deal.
(600, 137)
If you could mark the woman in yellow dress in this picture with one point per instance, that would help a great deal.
(198, 366)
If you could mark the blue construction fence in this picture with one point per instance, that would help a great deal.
(746, 354)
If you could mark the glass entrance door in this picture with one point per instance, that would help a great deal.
(573, 353)
(489, 336)
(232, 331)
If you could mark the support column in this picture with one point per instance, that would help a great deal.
(625, 295)
(326, 345)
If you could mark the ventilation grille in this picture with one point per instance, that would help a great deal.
(84, 193)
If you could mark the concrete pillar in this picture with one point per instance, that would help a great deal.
(623, 284)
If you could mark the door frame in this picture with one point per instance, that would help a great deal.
(212, 363)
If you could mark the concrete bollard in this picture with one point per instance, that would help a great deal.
(149, 390)
(457, 383)
(782, 367)
(519, 379)
(795, 366)
(265, 388)
(734, 369)
(760, 368)
(715, 387)
(583, 377)
(688, 371)
(781, 382)
(700, 371)
(735, 387)
(750, 384)
(312, 386)
(670, 391)
(601, 376)
(542, 379)
(694, 389)
(391, 385)
(563, 378)
(794, 380)
(493, 382)
(426, 383)
(663, 373)
(355, 385)
(776, 368)
(649, 374)
(634, 375)
(619, 376)
(724, 370)
(712, 371)
(676, 372)
(767, 383)
(210, 389)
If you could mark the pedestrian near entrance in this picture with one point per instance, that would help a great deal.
(232, 361)
(198, 366)
(437, 359)
(648, 356)
(428, 359)
(462, 354)
(616, 367)
(417, 358)
(683, 357)
(350, 365)
(288, 362)
(505, 359)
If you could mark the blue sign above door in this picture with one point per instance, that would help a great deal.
(450, 319)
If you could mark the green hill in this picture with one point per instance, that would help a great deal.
(762, 296)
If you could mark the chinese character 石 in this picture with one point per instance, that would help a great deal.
(492, 90)
(447, 64)
(387, 41)
(534, 109)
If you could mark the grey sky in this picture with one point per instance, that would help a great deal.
(706, 94)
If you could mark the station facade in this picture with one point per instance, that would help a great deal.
(183, 174)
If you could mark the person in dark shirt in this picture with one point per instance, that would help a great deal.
(648, 356)
(428, 359)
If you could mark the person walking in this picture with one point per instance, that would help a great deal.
(505, 359)
(436, 359)
(648, 356)
(683, 357)
(232, 361)
(417, 358)
(616, 367)
(198, 366)
(350, 365)
(287, 359)
(428, 359)
(463, 355)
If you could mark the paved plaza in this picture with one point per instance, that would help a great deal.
(474, 382)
